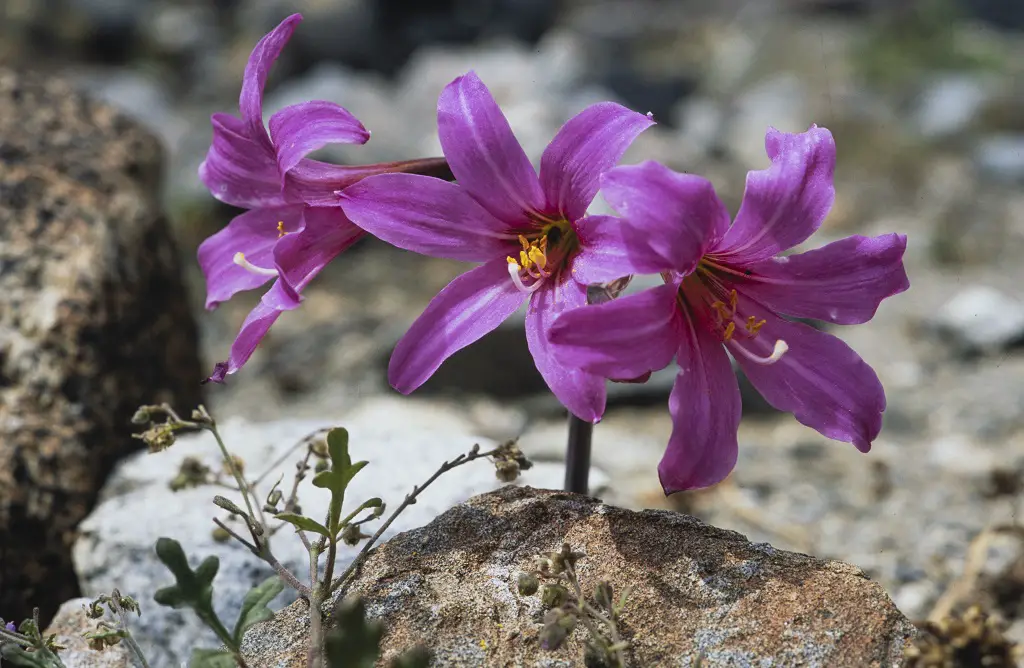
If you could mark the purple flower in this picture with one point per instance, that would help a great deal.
(531, 233)
(293, 226)
(11, 627)
(725, 288)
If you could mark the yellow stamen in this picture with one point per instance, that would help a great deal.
(733, 299)
(538, 257)
(280, 229)
(754, 325)
(729, 330)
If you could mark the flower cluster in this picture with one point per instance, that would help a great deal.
(727, 284)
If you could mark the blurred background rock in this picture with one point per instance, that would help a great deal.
(926, 101)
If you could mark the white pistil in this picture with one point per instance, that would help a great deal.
(513, 271)
(249, 266)
(781, 347)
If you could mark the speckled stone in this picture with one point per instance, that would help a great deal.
(94, 321)
(693, 589)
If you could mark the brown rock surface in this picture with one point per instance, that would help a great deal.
(694, 588)
(94, 320)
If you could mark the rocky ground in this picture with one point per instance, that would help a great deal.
(926, 110)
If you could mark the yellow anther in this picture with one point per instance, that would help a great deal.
(524, 242)
(512, 260)
(524, 259)
(721, 312)
(280, 229)
(754, 325)
(733, 300)
(538, 257)
(729, 330)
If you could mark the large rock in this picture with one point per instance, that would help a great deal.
(405, 441)
(693, 589)
(93, 321)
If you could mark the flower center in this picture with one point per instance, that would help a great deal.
(704, 287)
(545, 252)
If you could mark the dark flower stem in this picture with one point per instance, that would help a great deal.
(577, 456)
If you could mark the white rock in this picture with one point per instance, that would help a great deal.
(405, 441)
(980, 319)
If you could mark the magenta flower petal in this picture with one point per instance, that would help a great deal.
(428, 216)
(300, 257)
(583, 393)
(469, 307)
(705, 409)
(669, 219)
(303, 128)
(484, 155)
(820, 380)
(589, 144)
(262, 58)
(624, 338)
(239, 170)
(254, 234)
(256, 325)
(784, 204)
(843, 282)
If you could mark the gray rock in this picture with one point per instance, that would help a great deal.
(405, 441)
(780, 102)
(980, 319)
(94, 320)
(1001, 158)
(950, 104)
(693, 589)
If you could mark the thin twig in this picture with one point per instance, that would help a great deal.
(284, 573)
(410, 499)
(586, 608)
(305, 440)
(252, 548)
(128, 639)
(315, 615)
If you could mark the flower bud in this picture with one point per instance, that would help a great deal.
(553, 595)
(142, 416)
(220, 535)
(527, 584)
(558, 624)
(506, 470)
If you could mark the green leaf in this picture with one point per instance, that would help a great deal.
(417, 657)
(193, 589)
(338, 477)
(19, 657)
(353, 642)
(254, 607)
(303, 522)
(212, 658)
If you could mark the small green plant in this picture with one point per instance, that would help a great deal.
(194, 589)
(354, 642)
(25, 644)
(556, 580)
(333, 471)
(109, 634)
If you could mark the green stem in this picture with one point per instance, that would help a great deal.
(243, 487)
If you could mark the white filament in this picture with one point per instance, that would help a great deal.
(249, 266)
(781, 347)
